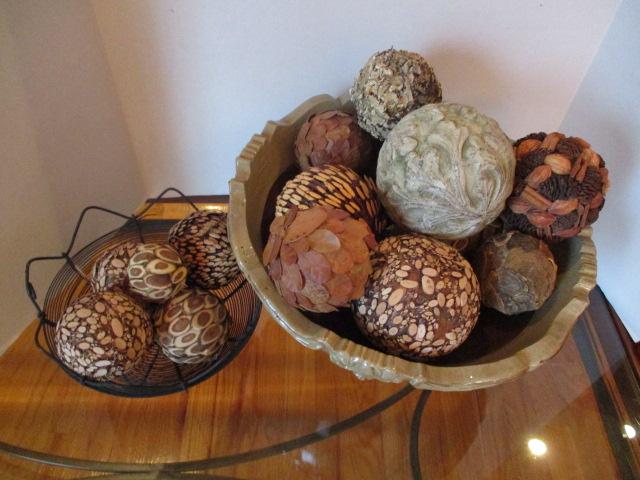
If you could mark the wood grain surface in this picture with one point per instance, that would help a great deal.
(294, 415)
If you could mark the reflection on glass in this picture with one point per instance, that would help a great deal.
(537, 447)
(629, 431)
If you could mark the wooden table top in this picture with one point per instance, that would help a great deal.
(280, 410)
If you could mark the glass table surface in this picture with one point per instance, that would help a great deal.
(280, 410)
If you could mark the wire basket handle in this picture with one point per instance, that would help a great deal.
(162, 194)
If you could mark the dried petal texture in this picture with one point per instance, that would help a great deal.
(103, 335)
(202, 242)
(446, 171)
(331, 138)
(192, 327)
(559, 205)
(517, 272)
(156, 272)
(319, 259)
(335, 186)
(390, 85)
(422, 300)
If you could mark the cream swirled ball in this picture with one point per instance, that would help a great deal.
(445, 170)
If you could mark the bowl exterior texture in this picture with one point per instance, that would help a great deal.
(260, 164)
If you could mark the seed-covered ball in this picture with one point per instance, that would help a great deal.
(156, 272)
(422, 300)
(110, 270)
(390, 85)
(517, 272)
(192, 327)
(103, 335)
(319, 258)
(202, 242)
(335, 186)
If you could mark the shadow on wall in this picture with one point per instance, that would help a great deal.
(80, 135)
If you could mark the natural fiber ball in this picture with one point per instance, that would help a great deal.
(392, 84)
(560, 186)
(192, 327)
(517, 272)
(335, 186)
(103, 335)
(110, 270)
(202, 242)
(445, 170)
(156, 272)
(330, 138)
(319, 258)
(422, 300)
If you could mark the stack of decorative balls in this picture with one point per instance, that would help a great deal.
(452, 183)
(146, 292)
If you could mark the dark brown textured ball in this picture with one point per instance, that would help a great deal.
(103, 335)
(156, 272)
(559, 188)
(110, 270)
(332, 137)
(202, 242)
(335, 186)
(517, 272)
(422, 300)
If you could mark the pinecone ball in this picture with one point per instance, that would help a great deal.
(319, 258)
(103, 335)
(330, 138)
(446, 170)
(560, 186)
(517, 272)
(422, 300)
(156, 272)
(390, 85)
(202, 242)
(335, 186)
(110, 270)
(192, 327)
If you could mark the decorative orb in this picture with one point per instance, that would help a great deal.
(319, 258)
(559, 188)
(446, 171)
(110, 270)
(517, 272)
(156, 272)
(335, 186)
(390, 85)
(192, 327)
(202, 242)
(332, 138)
(422, 300)
(103, 335)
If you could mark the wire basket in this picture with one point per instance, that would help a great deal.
(155, 374)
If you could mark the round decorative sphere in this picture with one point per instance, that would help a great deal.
(202, 242)
(319, 258)
(422, 300)
(156, 272)
(110, 270)
(103, 335)
(517, 272)
(559, 188)
(335, 186)
(390, 85)
(330, 138)
(446, 171)
(192, 327)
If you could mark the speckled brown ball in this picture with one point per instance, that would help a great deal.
(110, 270)
(202, 242)
(422, 300)
(192, 327)
(517, 272)
(156, 272)
(103, 335)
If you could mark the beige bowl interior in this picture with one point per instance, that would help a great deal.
(499, 349)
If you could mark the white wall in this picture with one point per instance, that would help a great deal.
(63, 140)
(197, 78)
(606, 112)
